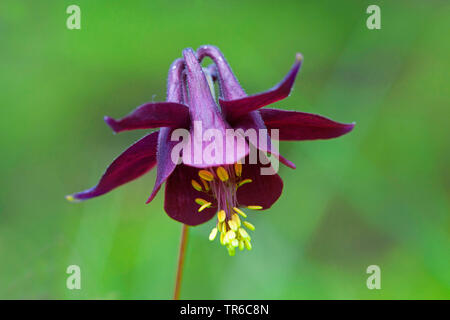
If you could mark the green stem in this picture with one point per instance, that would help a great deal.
(183, 243)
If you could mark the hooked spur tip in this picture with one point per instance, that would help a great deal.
(179, 62)
(190, 58)
(111, 123)
(108, 120)
(189, 52)
(206, 47)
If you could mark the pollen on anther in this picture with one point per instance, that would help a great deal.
(236, 219)
(232, 225)
(196, 185)
(205, 184)
(213, 234)
(243, 233)
(221, 215)
(245, 181)
(200, 201)
(222, 174)
(238, 168)
(255, 207)
(203, 207)
(242, 213)
(230, 235)
(206, 175)
(249, 225)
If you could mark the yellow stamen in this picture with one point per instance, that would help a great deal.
(206, 175)
(213, 234)
(255, 207)
(238, 168)
(244, 182)
(203, 207)
(200, 201)
(243, 233)
(232, 225)
(236, 219)
(240, 212)
(231, 251)
(248, 245)
(235, 243)
(241, 245)
(224, 227)
(222, 174)
(196, 185)
(231, 235)
(221, 215)
(222, 238)
(225, 238)
(205, 184)
(249, 225)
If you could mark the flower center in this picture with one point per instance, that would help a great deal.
(222, 183)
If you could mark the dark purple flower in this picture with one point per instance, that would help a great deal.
(198, 190)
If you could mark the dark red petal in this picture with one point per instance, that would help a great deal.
(152, 115)
(294, 125)
(164, 160)
(131, 164)
(263, 191)
(180, 197)
(253, 120)
(234, 109)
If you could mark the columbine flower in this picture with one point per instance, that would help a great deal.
(197, 191)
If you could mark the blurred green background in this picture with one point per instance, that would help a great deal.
(379, 195)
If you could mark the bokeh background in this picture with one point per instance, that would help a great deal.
(379, 195)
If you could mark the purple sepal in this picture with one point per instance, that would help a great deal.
(294, 125)
(131, 164)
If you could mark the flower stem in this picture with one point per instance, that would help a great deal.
(183, 243)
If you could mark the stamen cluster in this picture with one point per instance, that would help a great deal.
(221, 184)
